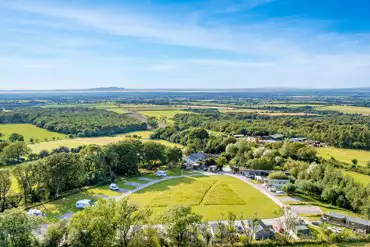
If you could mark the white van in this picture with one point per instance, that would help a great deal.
(161, 174)
(83, 203)
(113, 187)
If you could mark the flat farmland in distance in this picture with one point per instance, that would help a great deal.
(29, 131)
(265, 112)
(72, 143)
(210, 196)
(347, 109)
(345, 155)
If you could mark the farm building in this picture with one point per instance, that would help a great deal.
(347, 221)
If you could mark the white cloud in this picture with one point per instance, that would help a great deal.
(269, 53)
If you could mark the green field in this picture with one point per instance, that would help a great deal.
(361, 178)
(29, 131)
(345, 155)
(168, 114)
(72, 143)
(212, 197)
(347, 109)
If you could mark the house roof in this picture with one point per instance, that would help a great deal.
(196, 156)
(358, 221)
(336, 215)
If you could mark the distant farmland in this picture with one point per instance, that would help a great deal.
(29, 131)
(347, 109)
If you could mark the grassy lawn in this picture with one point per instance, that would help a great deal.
(71, 143)
(345, 155)
(29, 131)
(211, 197)
(361, 178)
(347, 109)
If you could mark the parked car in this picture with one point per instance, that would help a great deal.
(316, 223)
(272, 189)
(279, 192)
(113, 187)
(161, 174)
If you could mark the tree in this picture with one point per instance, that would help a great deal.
(288, 221)
(354, 162)
(14, 152)
(173, 155)
(16, 228)
(15, 137)
(289, 188)
(93, 226)
(5, 184)
(44, 153)
(221, 162)
(61, 169)
(181, 223)
(153, 152)
(251, 227)
(227, 233)
(56, 235)
(152, 122)
(127, 216)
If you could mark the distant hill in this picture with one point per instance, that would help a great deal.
(106, 89)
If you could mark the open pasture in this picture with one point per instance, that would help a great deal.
(72, 143)
(211, 196)
(347, 109)
(358, 177)
(29, 131)
(345, 155)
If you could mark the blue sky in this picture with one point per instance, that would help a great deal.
(184, 44)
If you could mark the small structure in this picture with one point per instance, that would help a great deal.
(195, 157)
(277, 137)
(85, 203)
(238, 136)
(358, 224)
(259, 179)
(277, 183)
(302, 231)
(212, 168)
(297, 139)
(350, 222)
(335, 218)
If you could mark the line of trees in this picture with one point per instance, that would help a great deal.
(122, 224)
(74, 121)
(345, 131)
(49, 177)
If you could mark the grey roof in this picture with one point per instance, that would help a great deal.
(301, 227)
(336, 215)
(358, 221)
(297, 139)
(277, 136)
(197, 156)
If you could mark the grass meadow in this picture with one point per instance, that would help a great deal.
(71, 143)
(29, 131)
(361, 178)
(345, 155)
(210, 196)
